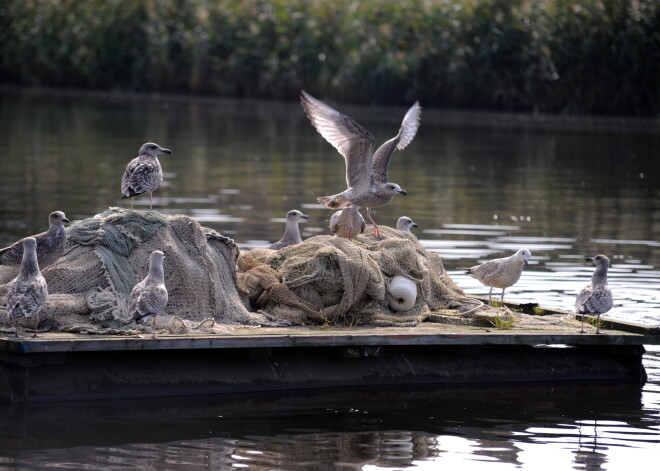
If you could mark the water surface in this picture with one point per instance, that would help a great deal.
(479, 187)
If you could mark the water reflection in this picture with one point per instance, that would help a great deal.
(347, 429)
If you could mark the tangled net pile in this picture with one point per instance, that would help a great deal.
(323, 280)
(108, 254)
(333, 280)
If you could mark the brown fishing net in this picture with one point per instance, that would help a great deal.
(324, 280)
(108, 254)
(333, 280)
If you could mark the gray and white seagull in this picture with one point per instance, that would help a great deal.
(149, 296)
(50, 244)
(405, 224)
(347, 223)
(291, 234)
(501, 272)
(29, 291)
(596, 296)
(143, 174)
(366, 170)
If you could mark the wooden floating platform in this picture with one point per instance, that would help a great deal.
(60, 366)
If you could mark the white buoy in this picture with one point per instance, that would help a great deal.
(402, 293)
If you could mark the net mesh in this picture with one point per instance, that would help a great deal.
(325, 279)
(331, 279)
(108, 254)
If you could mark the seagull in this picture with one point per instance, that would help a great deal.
(347, 223)
(143, 174)
(500, 272)
(28, 293)
(291, 232)
(405, 223)
(149, 296)
(366, 171)
(596, 297)
(50, 244)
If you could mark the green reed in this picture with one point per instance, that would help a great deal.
(546, 55)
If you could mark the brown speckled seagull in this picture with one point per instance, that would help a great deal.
(50, 244)
(500, 272)
(366, 170)
(291, 234)
(596, 297)
(28, 293)
(143, 174)
(149, 296)
(347, 223)
(405, 224)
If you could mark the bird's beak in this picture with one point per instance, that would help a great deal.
(65, 220)
(414, 224)
(588, 259)
(166, 151)
(403, 192)
(525, 262)
(304, 216)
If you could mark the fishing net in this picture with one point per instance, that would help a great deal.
(333, 280)
(108, 254)
(323, 280)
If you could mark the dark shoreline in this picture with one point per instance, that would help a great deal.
(440, 116)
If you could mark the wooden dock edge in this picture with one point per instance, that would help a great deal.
(608, 322)
(62, 367)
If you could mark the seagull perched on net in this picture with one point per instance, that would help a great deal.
(143, 174)
(366, 170)
(347, 223)
(29, 291)
(596, 297)
(501, 272)
(404, 223)
(50, 244)
(291, 234)
(149, 296)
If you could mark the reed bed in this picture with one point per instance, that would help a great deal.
(530, 55)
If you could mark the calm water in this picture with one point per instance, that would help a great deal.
(479, 187)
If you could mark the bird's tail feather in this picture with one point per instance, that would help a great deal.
(130, 193)
(141, 319)
(334, 201)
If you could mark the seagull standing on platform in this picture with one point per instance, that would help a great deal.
(28, 293)
(291, 234)
(50, 244)
(149, 296)
(366, 170)
(143, 174)
(501, 272)
(596, 297)
(405, 224)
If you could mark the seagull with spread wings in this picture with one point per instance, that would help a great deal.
(366, 170)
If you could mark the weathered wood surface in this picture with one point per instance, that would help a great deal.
(65, 366)
(279, 337)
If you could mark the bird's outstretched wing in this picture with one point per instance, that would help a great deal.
(351, 140)
(407, 132)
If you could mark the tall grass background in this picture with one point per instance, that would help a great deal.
(529, 55)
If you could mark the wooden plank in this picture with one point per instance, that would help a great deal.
(282, 337)
(608, 322)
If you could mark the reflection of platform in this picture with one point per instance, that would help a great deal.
(480, 412)
(60, 366)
